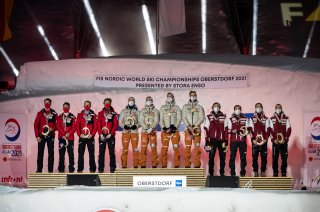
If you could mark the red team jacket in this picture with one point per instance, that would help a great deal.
(66, 124)
(90, 123)
(41, 120)
(259, 124)
(235, 123)
(280, 124)
(108, 119)
(215, 126)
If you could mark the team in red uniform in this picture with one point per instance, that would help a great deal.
(44, 129)
(86, 129)
(66, 126)
(107, 126)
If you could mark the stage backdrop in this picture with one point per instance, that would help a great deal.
(74, 81)
(13, 149)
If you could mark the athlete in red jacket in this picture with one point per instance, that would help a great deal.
(281, 131)
(44, 129)
(86, 129)
(216, 137)
(66, 126)
(260, 129)
(237, 127)
(107, 125)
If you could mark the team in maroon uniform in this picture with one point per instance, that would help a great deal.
(260, 129)
(44, 129)
(237, 127)
(281, 131)
(66, 126)
(216, 137)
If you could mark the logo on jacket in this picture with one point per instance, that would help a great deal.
(12, 129)
(315, 128)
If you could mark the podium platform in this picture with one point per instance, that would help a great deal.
(124, 177)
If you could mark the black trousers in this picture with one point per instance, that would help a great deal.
(234, 146)
(222, 156)
(62, 151)
(83, 142)
(41, 145)
(263, 151)
(102, 150)
(282, 150)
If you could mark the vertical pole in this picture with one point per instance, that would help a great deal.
(157, 29)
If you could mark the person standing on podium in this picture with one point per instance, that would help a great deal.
(149, 119)
(66, 126)
(44, 129)
(107, 126)
(216, 137)
(86, 130)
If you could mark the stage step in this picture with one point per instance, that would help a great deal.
(121, 177)
(124, 177)
(266, 183)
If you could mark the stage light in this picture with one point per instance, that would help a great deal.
(146, 18)
(51, 49)
(204, 25)
(306, 49)
(255, 27)
(14, 69)
(95, 27)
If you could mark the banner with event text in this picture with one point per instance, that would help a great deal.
(171, 82)
(312, 149)
(13, 149)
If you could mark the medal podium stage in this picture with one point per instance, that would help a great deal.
(124, 177)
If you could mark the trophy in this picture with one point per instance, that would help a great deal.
(86, 132)
(196, 132)
(280, 138)
(130, 121)
(45, 130)
(259, 139)
(243, 131)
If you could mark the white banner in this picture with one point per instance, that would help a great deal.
(172, 18)
(171, 82)
(13, 162)
(160, 181)
(312, 149)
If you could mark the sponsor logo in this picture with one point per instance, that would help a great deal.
(10, 179)
(178, 183)
(12, 129)
(315, 128)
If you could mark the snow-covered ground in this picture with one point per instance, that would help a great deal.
(91, 199)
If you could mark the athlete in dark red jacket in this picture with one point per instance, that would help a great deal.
(237, 127)
(107, 125)
(216, 137)
(44, 129)
(86, 130)
(281, 131)
(66, 126)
